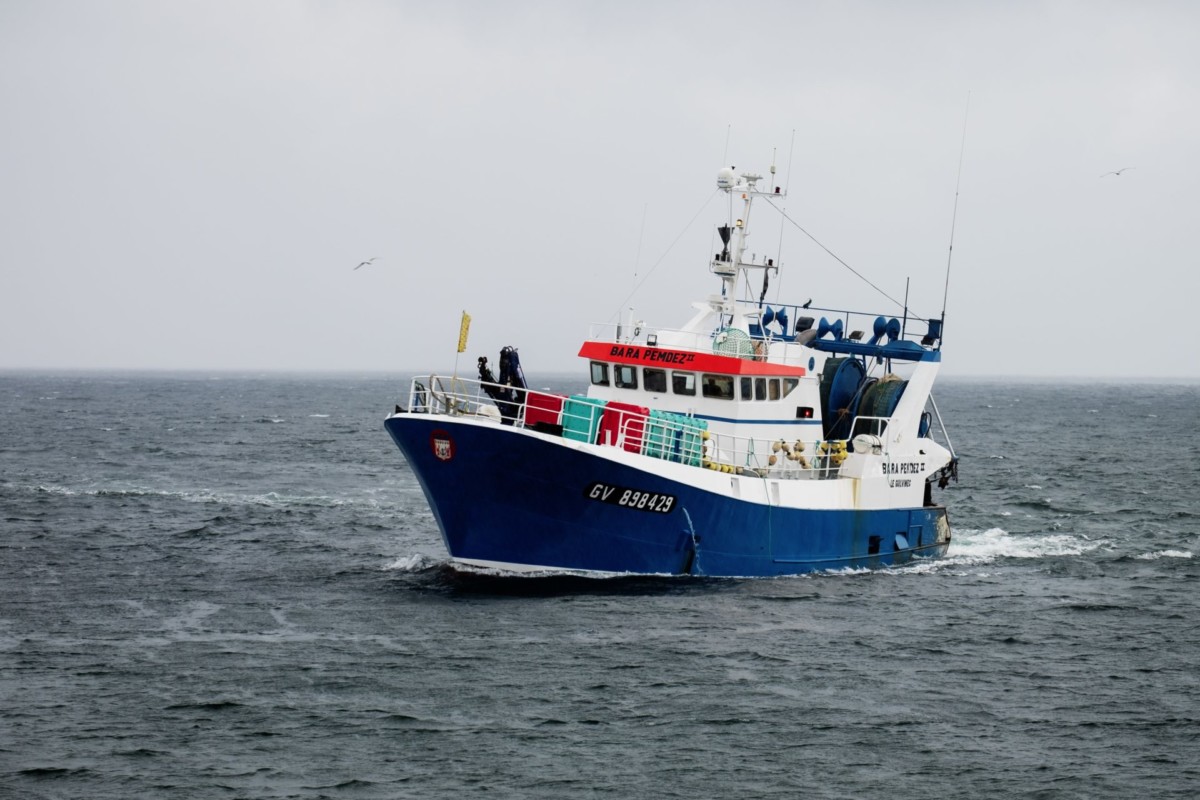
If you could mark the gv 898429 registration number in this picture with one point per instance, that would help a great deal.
(637, 499)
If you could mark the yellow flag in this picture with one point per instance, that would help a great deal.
(463, 329)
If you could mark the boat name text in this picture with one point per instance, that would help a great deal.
(630, 498)
(651, 354)
(903, 467)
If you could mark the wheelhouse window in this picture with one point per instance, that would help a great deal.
(683, 382)
(625, 376)
(747, 385)
(654, 380)
(789, 384)
(773, 388)
(718, 386)
(760, 388)
(599, 373)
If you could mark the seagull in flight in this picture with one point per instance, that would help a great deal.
(1116, 171)
(364, 263)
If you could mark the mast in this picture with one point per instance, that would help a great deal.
(729, 265)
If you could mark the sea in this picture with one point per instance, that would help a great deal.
(230, 586)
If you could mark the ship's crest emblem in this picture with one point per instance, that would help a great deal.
(442, 444)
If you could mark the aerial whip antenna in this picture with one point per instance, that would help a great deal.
(641, 235)
(791, 150)
(787, 184)
(954, 215)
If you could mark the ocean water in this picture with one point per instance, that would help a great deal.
(217, 586)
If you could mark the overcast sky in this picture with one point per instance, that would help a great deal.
(188, 185)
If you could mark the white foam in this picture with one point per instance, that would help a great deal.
(1165, 554)
(844, 571)
(321, 416)
(971, 548)
(52, 489)
(983, 547)
(413, 563)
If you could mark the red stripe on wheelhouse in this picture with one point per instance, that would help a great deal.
(616, 353)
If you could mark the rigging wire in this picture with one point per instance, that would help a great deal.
(649, 272)
(861, 277)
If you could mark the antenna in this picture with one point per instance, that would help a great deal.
(954, 215)
(641, 234)
(779, 249)
(791, 150)
(787, 185)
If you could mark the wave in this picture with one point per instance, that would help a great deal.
(270, 499)
(1164, 554)
(414, 563)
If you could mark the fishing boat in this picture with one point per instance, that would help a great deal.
(757, 439)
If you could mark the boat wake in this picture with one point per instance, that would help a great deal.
(975, 548)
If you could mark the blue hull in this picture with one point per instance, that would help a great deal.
(503, 495)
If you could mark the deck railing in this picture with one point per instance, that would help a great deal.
(672, 437)
(785, 326)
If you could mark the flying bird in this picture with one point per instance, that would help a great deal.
(1116, 171)
(364, 263)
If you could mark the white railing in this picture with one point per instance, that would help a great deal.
(671, 437)
(859, 324)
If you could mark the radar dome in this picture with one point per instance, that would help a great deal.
(725, 178)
